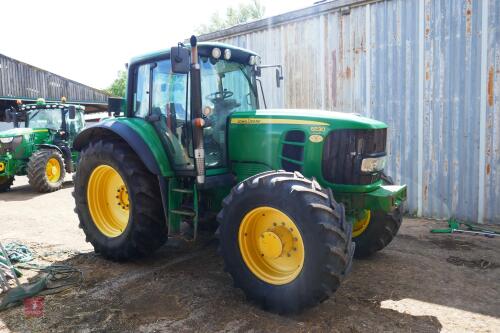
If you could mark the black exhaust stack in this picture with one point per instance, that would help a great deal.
(199, 152)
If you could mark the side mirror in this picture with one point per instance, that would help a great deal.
(279, 77)
(71, 112)
(180, 59)
(115, 105)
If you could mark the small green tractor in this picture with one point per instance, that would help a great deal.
(292, 191)
(40, 144)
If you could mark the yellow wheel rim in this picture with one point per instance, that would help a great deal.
(271, 245)
(2, 166)
(361, 224)
(108, 201)
(53, 170)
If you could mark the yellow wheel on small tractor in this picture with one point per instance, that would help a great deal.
(46, 170)
(271, 245)
(108, 201)
(118, 201)
(53, 170)
(284, 241)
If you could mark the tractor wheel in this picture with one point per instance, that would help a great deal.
(6, 183)
(284, 241)
(118, 202)
(46, 170)
(376, 229)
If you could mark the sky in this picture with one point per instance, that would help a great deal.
(89, 41)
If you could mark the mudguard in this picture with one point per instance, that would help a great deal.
(135, 132)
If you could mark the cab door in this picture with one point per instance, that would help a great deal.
(161, 97)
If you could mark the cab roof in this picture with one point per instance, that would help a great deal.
(34, 106)
(204, 49)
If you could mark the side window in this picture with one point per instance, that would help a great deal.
(169, 92)
(141, 95)
(168, 105)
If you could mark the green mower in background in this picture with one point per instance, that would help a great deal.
(40, 144)
(292, 190)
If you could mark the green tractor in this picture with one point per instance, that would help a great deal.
(40, 144)
(292, 190)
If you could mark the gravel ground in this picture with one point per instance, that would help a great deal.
(422, 282)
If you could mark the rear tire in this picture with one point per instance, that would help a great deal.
(145, 227)
(324, 234)
(381, 230)
(6, 183)
(46, 170)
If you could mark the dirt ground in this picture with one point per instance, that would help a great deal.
(422, 282)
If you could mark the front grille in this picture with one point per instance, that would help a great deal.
(344, 150)
(11, 146)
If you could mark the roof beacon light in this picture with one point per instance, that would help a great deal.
(63, 99)
(227, 54)
(19, 102)
(216, 53)
(40, 102)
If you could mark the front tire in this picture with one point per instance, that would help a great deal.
(46, 170)
(6, 183)
(284, 241)
(118, 202)
(376, 229)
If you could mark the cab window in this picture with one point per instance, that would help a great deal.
(141, 91)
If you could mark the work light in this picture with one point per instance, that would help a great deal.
(227, 54)
(216, 53)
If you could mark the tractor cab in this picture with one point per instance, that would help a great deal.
(162, 95)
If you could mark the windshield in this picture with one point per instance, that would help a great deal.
(227, 86)
(45, 118)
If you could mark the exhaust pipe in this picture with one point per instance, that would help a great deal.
(199, 151)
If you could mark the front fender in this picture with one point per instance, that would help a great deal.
(49, 146)
(138, 134)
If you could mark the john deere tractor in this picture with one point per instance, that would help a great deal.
(293, 190)
(40, 144)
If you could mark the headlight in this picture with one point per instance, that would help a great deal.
(373, 164)
(6, 140)
(216, 53)
(227, 54)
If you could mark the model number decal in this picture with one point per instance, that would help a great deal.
(318, 129)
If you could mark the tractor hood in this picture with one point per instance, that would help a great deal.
(15, 132)
(306, 117)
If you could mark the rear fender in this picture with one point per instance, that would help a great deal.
(135, 132)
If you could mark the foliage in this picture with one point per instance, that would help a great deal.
(234, 16)
(118, 87)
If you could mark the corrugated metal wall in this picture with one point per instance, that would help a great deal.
(429, 68)
(20, 80)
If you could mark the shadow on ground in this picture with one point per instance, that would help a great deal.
(186, 289)
(26, 192)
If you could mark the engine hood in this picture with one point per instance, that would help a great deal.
(332, 119)
(15, 132)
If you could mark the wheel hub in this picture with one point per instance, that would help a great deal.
(271, 245)
(122, 197)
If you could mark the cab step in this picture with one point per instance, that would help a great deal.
(184, 212)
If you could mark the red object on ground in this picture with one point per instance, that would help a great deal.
(33, 306)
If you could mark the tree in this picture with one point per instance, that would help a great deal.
(234, 16)
(117, 88)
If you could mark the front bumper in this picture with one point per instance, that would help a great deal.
(385, 198)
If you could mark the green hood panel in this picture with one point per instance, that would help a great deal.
(15, 132)
(334, 120)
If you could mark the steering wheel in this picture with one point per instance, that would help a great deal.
(217, 96)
